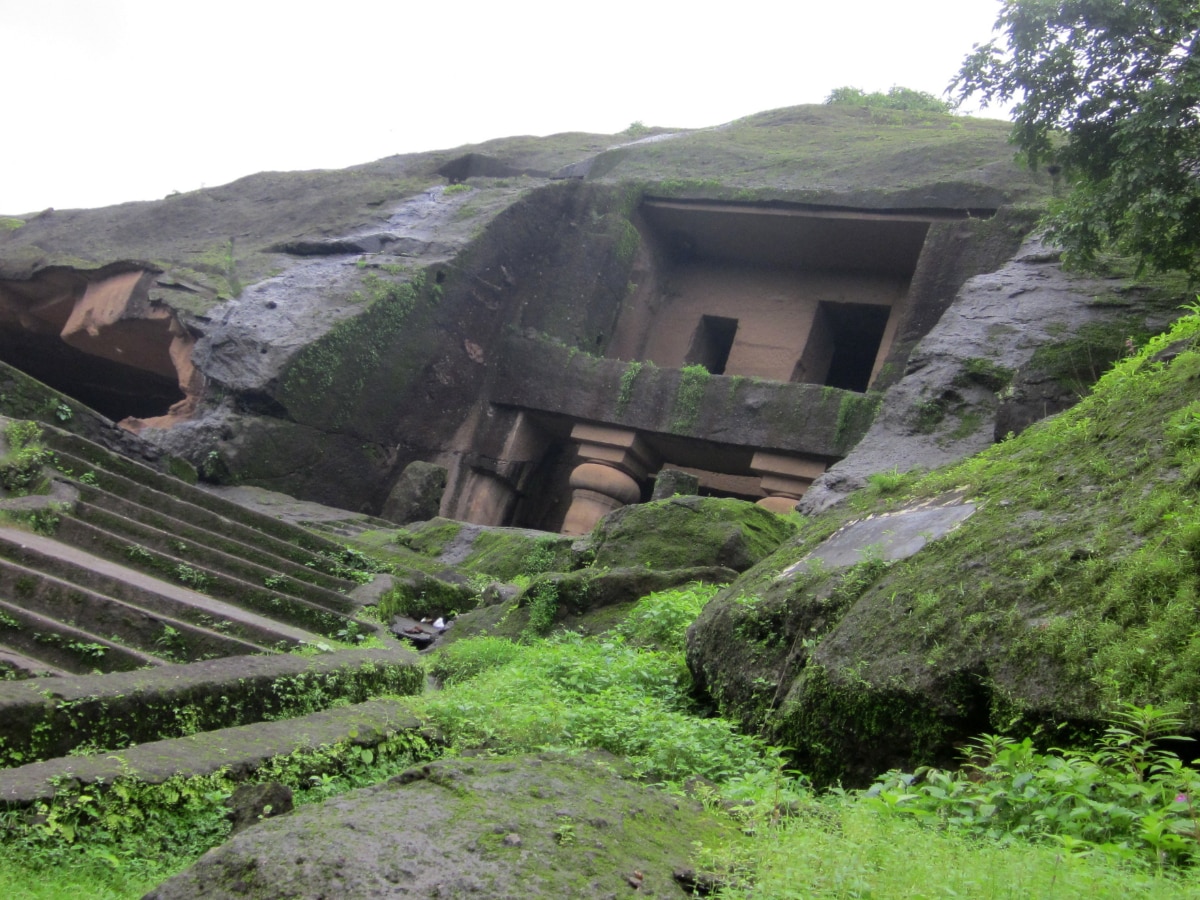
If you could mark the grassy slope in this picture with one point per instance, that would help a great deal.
(1083, 554)
(817, 153)
(811, 153)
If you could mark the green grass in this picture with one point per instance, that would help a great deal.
(836, 148)
(91, 878)
(842, 849)
(569, 692)
(572, 693)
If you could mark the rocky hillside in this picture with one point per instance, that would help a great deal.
(316, 332)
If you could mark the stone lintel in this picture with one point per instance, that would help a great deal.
(792, 467)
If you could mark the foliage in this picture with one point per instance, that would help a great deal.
(897, 98)
(115, 722)
(893, 481)
(660, 620)
(421, 596)
(987, 373)
(839, 847)
(542, 599)
(692, 382)
(1111, 551)
(21, 468)
(628, 378)
(1108, 90)
(137, 833)
(349, 564)
(855, 414)
(1128, 798)
(463, 660)
(571, 692)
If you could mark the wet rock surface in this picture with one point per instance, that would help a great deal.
(524, 827)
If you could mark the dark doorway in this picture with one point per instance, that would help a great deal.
(711, 343)
(856, 331)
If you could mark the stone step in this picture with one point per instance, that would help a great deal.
(242, 750)
(48, 556)
(122, 622)
(25, 666)
(200, 553)
(171, 505)
(221, 534)
(253, 597)
(91, 456)
(44, 719)
(64, 646)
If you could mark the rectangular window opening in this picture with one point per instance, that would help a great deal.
(711, 343)
(842, 345)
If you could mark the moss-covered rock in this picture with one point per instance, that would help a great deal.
(588, 600)
(1069, 592)
(420, 595)
(688, 531)
(547, 826)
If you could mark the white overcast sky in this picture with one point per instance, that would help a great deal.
(113, 100)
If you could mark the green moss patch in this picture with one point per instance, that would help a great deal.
(688, 531)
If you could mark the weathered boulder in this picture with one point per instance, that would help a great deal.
(1015, 346)
(688, 531)
(670, 482)
(252, 803)
(417, 494)
(536, 826)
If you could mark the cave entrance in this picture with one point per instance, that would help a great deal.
(711, 343)
(112, 389)
(843, 345)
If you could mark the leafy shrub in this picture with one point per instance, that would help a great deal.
(421, 596)
(463, 660)
(900, 99)
(541, 558)
(660, 620)
(542, 600)
(21, 468)
(1128, 798)
(349, 564)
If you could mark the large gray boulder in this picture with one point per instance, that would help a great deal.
(535, 826)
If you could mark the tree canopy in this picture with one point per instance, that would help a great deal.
(897, 98)
(1108, 91)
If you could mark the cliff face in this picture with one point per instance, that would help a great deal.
(731, 301)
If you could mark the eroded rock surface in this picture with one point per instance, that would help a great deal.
(526, 827)
(973, 369)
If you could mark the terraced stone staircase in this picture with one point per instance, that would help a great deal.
(145, 569)
(149, 619)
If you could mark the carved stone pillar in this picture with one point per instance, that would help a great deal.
(784, 479)
(612, 461)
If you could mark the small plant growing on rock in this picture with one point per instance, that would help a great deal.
(21, 468)
(543, 605)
